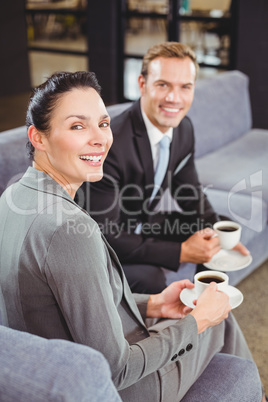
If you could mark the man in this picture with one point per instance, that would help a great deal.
(129, 203)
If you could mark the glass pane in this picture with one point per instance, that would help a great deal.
(58, 30)
(132, 69)
(43, 64)
(152, 6)
(144, 33)
(209, 40)
(209, 5)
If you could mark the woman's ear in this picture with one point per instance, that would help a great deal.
(36, 138)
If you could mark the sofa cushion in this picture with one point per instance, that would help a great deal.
(13, 156)
(240, 166)
(221, 110)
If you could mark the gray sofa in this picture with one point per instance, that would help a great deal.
(231, 159)
(34, 369)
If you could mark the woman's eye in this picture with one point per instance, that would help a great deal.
(77, 127)
(105, 124)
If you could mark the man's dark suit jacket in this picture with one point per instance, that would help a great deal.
(120, 201)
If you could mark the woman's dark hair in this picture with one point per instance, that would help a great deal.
(45, 97)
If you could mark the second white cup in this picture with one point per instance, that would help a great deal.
(229, 233)
(204, 278)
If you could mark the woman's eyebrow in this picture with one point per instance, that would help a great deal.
(83, 117)
(79, 116)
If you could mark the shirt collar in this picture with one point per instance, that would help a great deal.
(154, 134)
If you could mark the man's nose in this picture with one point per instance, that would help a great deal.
(173, 95)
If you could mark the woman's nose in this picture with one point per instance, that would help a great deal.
(98, 138)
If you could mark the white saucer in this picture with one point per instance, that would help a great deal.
(228, 260)
(187, 296)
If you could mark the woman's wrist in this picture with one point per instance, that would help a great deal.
(154, 306)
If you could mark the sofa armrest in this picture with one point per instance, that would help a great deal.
(37, 369)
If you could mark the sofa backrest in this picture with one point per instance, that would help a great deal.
(3, 313)
(221, 110)
(13, 157)
(220, 113)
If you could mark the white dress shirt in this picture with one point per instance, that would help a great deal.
(155, 136)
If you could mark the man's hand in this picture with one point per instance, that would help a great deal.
(242, 249)
(200, 247)
(212, 307)
(167, 304)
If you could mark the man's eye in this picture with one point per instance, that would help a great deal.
(77, 127)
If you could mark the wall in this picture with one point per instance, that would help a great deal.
(14, 66)
(252, 55)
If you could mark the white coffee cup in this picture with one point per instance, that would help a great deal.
(229, 233)
(204, 278)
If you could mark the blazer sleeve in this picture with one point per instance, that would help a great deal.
(89, 294)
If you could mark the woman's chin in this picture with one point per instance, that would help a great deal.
(92, 177)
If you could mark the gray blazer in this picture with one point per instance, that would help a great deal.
(60, 279)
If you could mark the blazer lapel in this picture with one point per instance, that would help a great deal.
(126, 290)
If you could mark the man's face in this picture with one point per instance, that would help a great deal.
(168, 91)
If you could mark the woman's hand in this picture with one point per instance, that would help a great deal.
(167, 304)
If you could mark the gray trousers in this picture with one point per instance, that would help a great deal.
(220, 369)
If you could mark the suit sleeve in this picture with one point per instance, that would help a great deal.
(186, 188)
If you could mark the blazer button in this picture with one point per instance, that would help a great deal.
(181, 352)
(174, 357)
(189, 347)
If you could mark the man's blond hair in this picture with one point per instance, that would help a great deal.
(166, 50)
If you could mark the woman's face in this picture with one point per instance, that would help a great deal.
(79, 139)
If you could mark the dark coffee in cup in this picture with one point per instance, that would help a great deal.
(228, 232)
(208, 279)
(227, 229)
(204, 278)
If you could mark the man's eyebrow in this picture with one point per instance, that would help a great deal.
(168, 82)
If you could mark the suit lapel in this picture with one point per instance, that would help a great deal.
(143, 148)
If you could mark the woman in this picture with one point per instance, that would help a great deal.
(61, 279)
